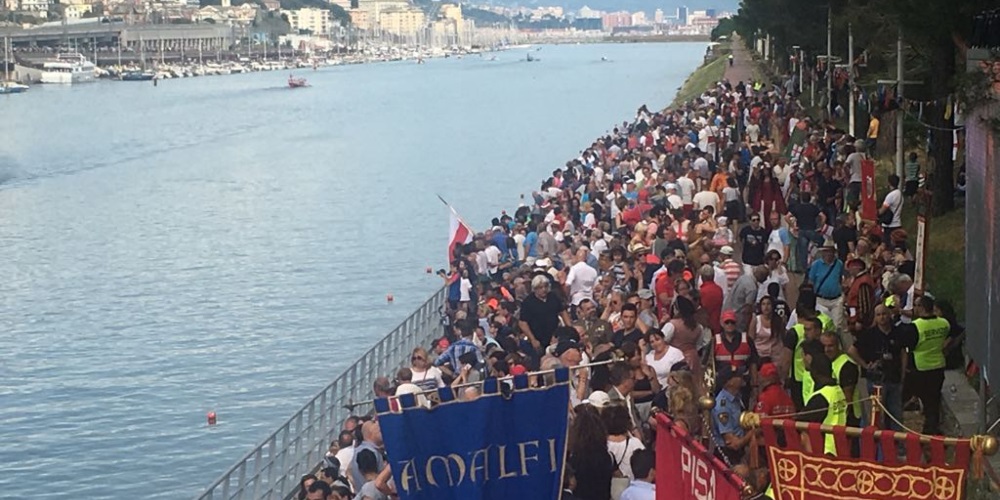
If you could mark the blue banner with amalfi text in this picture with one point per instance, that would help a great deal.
(505, 444)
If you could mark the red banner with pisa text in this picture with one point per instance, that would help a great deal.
(923, 472)
(685, 470)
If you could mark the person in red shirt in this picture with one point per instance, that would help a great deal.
(711, 298)
(772, 400)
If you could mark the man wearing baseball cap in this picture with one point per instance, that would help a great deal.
(734, 353)
(772, 400)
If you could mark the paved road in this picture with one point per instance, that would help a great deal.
(742, 68)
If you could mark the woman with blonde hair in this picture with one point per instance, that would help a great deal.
(425, 375)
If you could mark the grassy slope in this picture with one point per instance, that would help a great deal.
(702, 78)
(945, 266)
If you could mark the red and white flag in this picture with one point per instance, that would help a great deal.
(459, 233)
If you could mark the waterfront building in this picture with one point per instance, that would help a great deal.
(588, 13)
(360, 18)
(34, 5)
(402, 22)
(658, 16)
(638, 18)
(315, 21)
(189, 37)
(77, 11)
(612, 20)
(682, 15)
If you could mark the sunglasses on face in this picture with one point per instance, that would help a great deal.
(417, 358)
(729, 322)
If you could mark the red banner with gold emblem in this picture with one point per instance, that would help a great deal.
(685, 470)
(912, 469)
(798, 476)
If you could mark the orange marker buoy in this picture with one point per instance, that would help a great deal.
(211, 418)
(388, 298)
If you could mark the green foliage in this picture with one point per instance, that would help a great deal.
(725, 27)
(484, 17)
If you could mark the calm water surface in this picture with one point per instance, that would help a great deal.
(223, 243)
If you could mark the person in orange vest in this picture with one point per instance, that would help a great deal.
(734, 353)
(860, 301)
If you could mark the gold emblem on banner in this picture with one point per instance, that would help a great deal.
(798, 476)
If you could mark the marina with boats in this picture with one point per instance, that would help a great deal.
(73, 67)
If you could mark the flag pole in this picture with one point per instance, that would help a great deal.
(459, 217)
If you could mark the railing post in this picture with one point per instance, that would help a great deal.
(271, 448)
(304, 437)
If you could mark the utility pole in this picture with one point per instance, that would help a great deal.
(850, 76)
(829, 61)
(899, 82)
(899, 110)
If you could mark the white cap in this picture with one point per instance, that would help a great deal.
(726, 250)
(598, 399)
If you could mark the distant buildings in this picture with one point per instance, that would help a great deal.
(315, 21)
(612, 20)
(402, 21)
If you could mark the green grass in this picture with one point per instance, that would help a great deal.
(704, 77)
(945, 264)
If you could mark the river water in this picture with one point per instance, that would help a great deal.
(226, 244)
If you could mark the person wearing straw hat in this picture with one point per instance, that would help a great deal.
(825, 274)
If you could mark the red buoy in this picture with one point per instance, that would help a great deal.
(211, 418)
(429, 270)
(388, 298)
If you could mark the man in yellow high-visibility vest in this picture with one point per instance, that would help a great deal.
(928, 343)
(828, 405)
(846, 373)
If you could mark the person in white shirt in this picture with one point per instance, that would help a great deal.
(753, 132)
(675, 201)
(685, 186)
(893, 202)
(706, 199)
(581, 278)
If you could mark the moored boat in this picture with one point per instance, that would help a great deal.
(137, 76)
(68, 68)
(12, 88)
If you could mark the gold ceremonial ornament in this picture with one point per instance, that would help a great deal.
(706, 403)
(749, 420)
(987, 444)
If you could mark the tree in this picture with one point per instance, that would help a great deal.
(933, 31)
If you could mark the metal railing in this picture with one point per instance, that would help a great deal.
(272, 469)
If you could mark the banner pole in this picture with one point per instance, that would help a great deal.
(617, 359)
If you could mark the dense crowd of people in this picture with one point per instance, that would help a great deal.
(686, 246)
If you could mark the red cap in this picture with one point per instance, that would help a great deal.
(768, 370)
(518, 370)
(728, 315)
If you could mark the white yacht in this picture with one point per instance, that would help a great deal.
(69, 68)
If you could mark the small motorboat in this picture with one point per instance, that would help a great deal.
(12, 88)
(295, 83)
(137, 76)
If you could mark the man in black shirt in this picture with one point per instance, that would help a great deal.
(845, 236)
(806, 215)
(880, 352)
(540, 314)
(827, 192)
(628, 331)
(754, 241)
